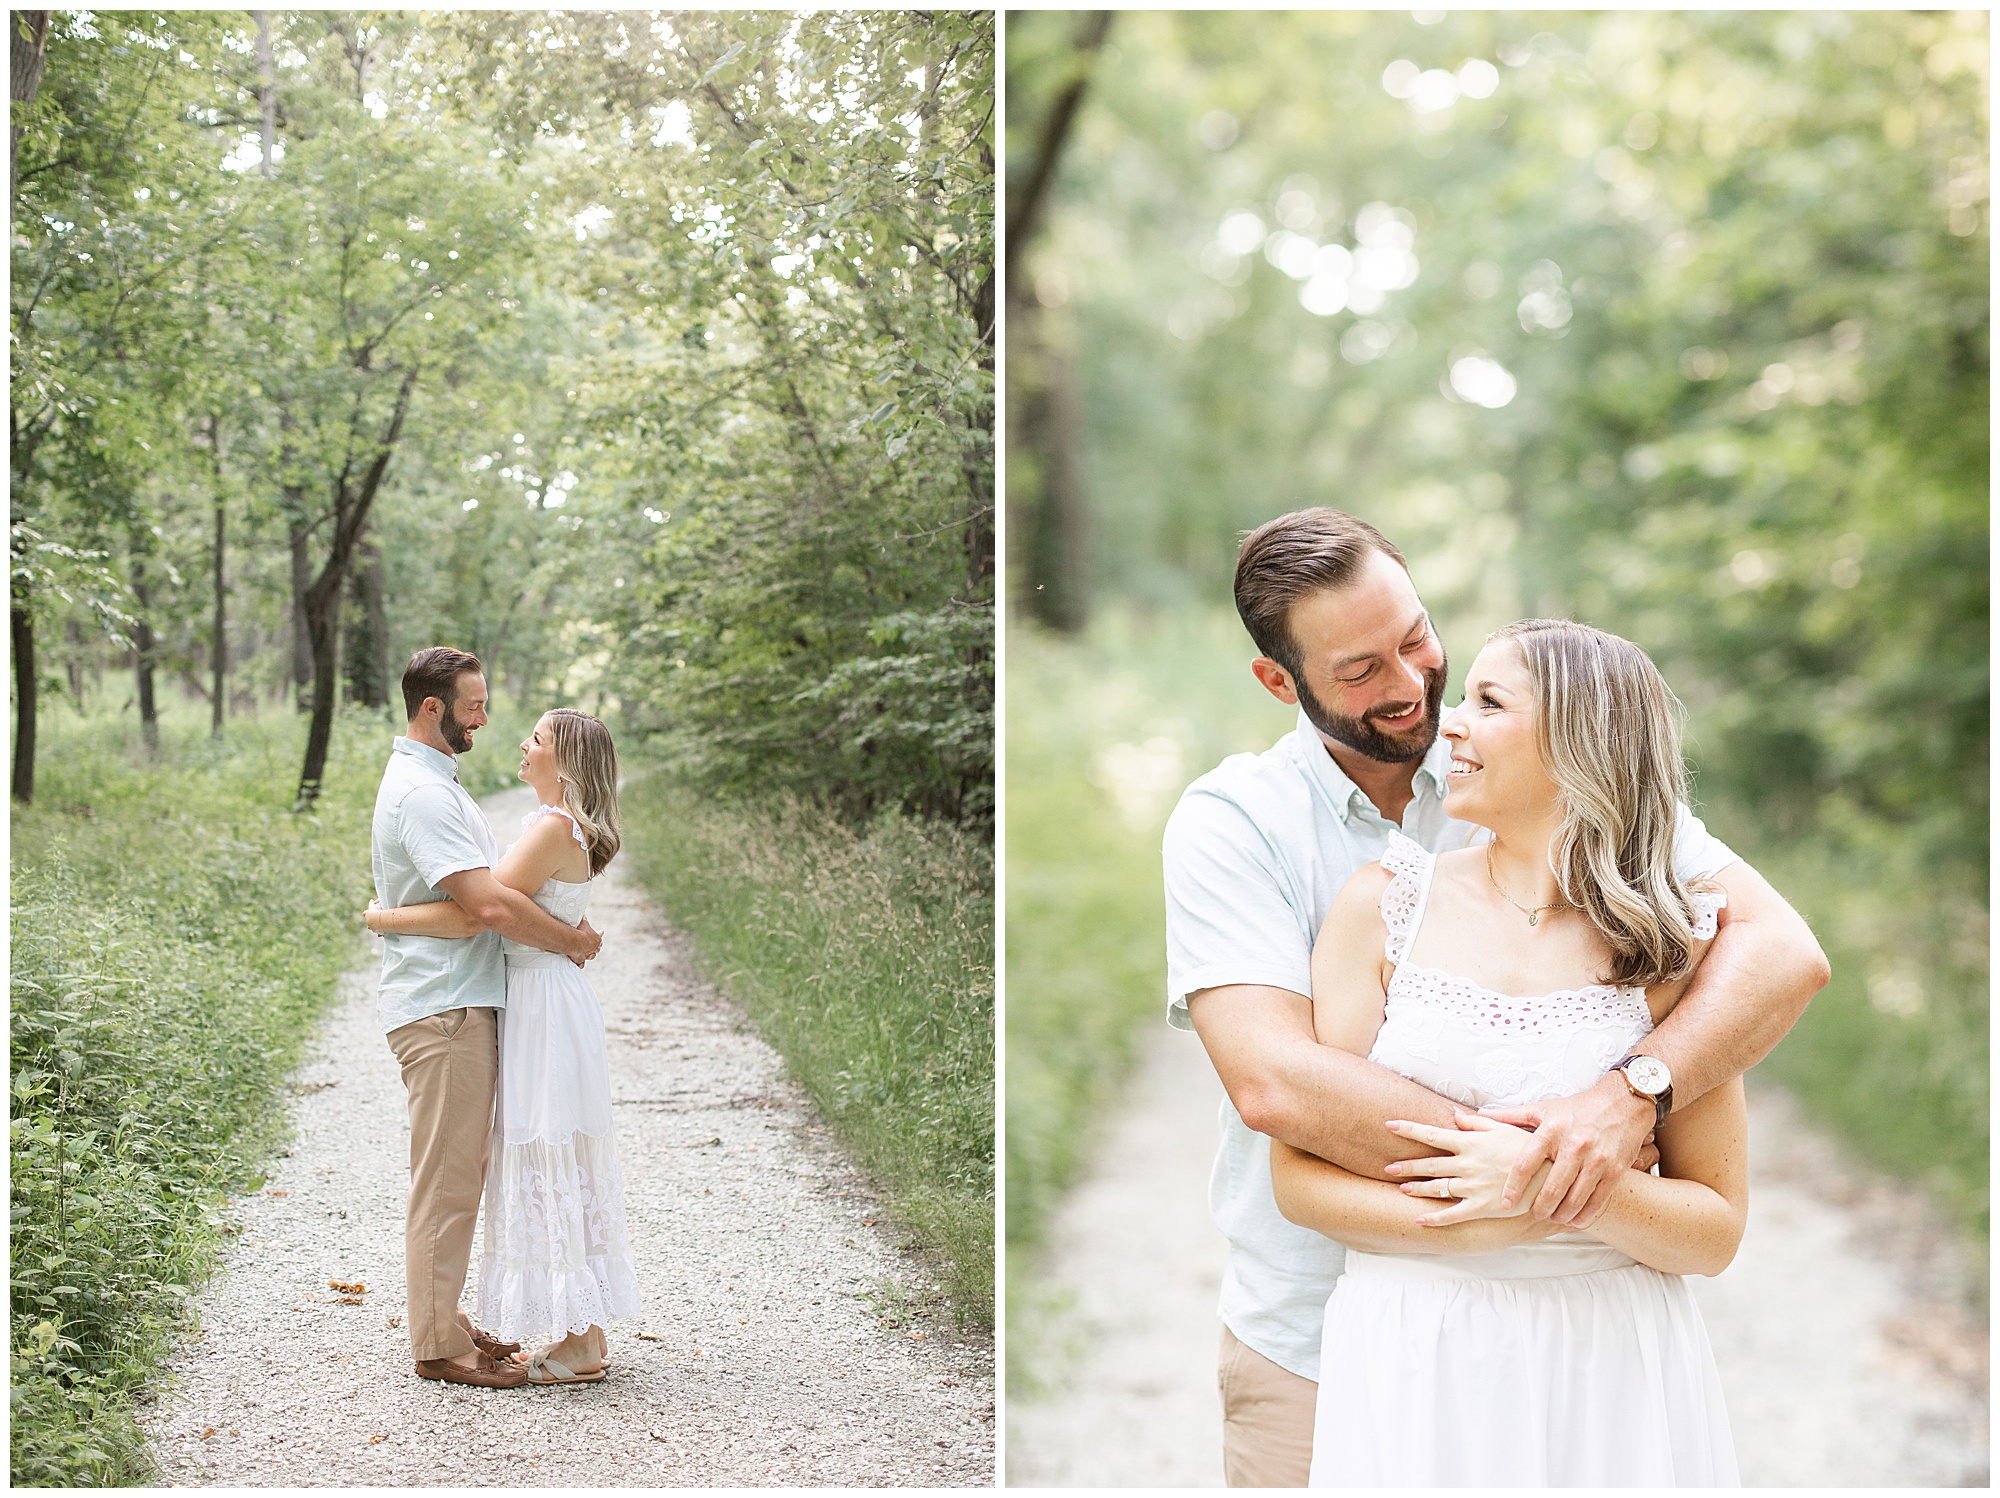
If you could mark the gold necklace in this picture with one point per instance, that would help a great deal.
(1534, 916)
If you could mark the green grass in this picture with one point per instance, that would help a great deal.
(176, 930)
(1102, 734)
(866, 960)
(1894, 1054)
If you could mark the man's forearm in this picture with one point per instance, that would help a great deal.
(1285, 1084)
(520, 919)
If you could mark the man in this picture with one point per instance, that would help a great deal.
(1256, 851)
(439, 1002)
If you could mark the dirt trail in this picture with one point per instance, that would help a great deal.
(1848, 1355)
(762, 1357)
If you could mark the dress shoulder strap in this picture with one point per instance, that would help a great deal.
(1707, 904)
(556, 811)
(1407, 894)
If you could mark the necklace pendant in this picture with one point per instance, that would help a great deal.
(1534, 916)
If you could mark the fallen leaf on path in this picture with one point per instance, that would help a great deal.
(394, 1322)
(351, 1300)
(648, 1337)
(376, 1440)
(208, 1432)
(277, 1193)
(347, 1287)
(919, 1336)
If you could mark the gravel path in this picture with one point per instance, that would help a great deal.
(1848, 1353)
(776, 1346)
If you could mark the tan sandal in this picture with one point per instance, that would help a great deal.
(543, 1369)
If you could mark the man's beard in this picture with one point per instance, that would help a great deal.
(1360, 735)
(454, 733)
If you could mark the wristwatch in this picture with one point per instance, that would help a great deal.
(1649, 1078)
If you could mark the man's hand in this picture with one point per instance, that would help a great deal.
(593, 939)
(1586, 1140)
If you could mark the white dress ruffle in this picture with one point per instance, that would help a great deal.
(554, 1257)
(1562, 1363)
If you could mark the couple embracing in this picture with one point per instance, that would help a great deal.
(500, 1039)
(1481, 990)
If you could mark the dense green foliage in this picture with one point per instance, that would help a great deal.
(175, 931)
(866, 959)
(1673, 323)
(650, 359)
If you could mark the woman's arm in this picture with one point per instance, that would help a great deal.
(1377, 1217)
(543, 853)
(444, 918)
(1689, 1218)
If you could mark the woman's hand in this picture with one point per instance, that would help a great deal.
(1478, 1156)
(368, 916)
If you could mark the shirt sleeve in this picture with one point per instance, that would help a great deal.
(437, 836)
(1231, 915)
(1698, 853)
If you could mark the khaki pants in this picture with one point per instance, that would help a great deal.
(450, 1063)
(1267, 1419)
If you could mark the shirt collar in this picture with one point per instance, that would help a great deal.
(1341, 789)
(443, 763)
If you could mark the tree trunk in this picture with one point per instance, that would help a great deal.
(324, 620)
(219, 650)
(368, 635)
(21, 620)
(267, 88)
(351, 508)
(302, 656)
(142, 655)
(1026, 202)
(30, 52)
(73, 663)
(1047, 515)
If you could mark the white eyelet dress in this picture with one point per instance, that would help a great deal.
(1561, 1363)
(554, 1256)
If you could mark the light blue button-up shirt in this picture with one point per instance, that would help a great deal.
(1255, 852)
(428, 828)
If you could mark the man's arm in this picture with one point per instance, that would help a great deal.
(515, 916)
(1317, 1098)
(1760, 973)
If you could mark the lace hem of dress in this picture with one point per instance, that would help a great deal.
(1497, 1013)
(521, 1304)
(556, 1252)
(546, 810)
(1406, 861)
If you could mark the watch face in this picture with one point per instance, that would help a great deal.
(1648, 1074)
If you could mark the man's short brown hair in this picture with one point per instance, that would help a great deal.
(435, 673)
(1284, 559)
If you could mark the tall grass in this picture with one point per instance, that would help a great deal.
(866, 960)
(176, 929)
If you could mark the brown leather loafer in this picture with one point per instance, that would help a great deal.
(486, 1374)
(491, 1345)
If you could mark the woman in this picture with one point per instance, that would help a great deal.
(555, 1254)
(1578, 1359)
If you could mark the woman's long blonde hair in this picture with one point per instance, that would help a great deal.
(587, 765)
(1610, 738)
